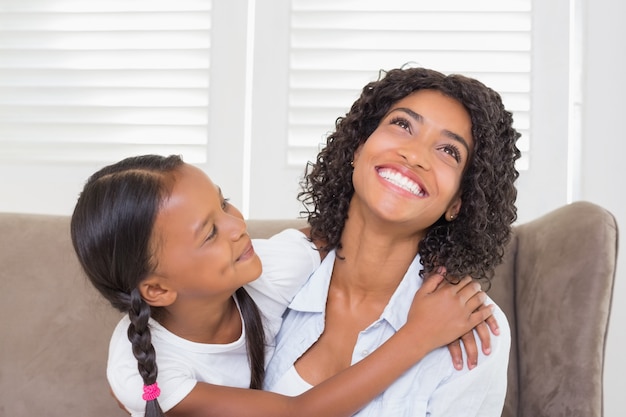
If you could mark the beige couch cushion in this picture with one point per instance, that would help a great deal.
(555, 286)
(54, 328)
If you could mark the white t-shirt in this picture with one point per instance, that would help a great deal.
(288, 259)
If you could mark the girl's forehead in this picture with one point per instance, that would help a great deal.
(191, 185)
(192, 176)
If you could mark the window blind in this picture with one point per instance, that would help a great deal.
(337, 46)
(97, 80)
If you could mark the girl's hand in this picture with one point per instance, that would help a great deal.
(469, 343)
(469, 339)
(442, 312)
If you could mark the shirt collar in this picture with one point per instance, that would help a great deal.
(400, 303)
(314, 294)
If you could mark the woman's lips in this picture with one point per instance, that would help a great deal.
(400, 180)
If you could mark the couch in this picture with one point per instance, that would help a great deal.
(555, 285)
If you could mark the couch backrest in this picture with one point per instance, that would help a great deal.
(555, 286)
(54, 327)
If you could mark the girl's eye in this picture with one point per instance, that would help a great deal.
(453, 151)
(211, 234)
(402, 122)
(225, 206)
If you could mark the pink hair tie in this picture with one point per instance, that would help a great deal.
(151, 392)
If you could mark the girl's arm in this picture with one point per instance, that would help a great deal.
(439, 314)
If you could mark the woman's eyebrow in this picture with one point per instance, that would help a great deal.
(420, 119)
(416, 116)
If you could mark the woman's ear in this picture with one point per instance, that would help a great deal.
(155, 291)
(356, 153)
(453, 210)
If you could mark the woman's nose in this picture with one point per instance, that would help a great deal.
(416, 154)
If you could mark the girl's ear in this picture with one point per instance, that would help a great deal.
(156, 292)
(453, 210)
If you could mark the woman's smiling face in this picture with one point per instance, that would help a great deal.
(410, 168)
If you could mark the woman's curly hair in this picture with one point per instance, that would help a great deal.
(474, 242)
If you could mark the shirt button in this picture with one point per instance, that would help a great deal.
(365, 352)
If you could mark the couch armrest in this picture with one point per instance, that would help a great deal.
(565, 269)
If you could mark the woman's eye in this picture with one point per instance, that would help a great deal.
(225, 204)
(453, 151)
(402, 122)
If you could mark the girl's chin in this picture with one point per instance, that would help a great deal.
(253, 269)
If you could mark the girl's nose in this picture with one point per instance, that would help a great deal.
(236, 227)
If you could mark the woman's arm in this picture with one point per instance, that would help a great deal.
(439, 314)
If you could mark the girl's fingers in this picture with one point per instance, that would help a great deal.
(471, 349)
(454, 348)
(485, 337)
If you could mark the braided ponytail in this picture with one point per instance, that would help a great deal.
(141, 340)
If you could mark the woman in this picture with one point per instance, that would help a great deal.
(159, 241)
(418, 175)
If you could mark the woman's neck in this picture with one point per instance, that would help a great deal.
(374, 258)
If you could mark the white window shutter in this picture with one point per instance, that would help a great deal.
(94, 81)
(337, 46)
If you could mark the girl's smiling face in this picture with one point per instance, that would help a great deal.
(410, 168)
(200, 244)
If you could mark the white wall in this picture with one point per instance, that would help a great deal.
(603, 161)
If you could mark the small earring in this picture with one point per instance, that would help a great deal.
(451, 217)
(352, 164)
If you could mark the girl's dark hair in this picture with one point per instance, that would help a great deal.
(474, 242)
(111, 230)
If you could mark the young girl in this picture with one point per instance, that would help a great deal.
(157, 239)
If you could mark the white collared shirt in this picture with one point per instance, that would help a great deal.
(430, 388)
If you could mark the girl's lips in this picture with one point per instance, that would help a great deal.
(247, 253)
